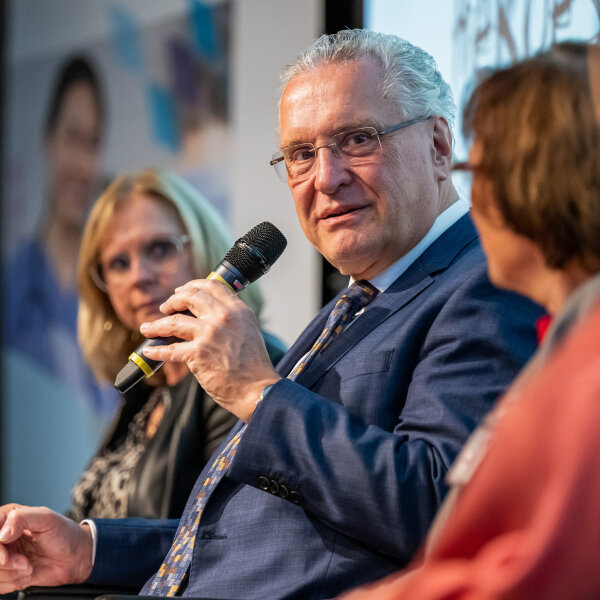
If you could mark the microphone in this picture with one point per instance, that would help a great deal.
(250, 257)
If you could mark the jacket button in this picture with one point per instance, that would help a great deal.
(295, 497)
(283, 492)
(273, 487)
(263, 483)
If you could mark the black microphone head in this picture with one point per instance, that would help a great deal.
(254, 253)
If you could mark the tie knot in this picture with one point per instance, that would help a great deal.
(361, 293)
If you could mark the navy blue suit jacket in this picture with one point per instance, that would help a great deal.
(339, 473)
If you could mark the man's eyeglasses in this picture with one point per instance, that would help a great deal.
(161, 254)
(356, 146)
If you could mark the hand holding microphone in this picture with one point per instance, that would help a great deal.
(224, 346)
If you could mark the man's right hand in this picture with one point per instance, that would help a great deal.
(41, 547)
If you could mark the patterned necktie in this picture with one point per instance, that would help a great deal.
(172, 573)
(357, 296)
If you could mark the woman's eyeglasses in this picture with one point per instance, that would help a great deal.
(355, 147)
(161, 254)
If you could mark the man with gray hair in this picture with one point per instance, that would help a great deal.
(337, 466)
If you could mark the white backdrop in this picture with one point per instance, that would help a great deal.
(466, 35)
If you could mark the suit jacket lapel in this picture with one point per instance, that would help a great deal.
(384, 305)
(408, 286)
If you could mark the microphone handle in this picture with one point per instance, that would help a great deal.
(147, 365)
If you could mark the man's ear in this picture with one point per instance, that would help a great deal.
(442, 148)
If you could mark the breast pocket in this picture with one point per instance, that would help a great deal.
(368, 363)
(368, 386)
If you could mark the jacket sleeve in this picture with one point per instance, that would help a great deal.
(381, 482)
(130, 551)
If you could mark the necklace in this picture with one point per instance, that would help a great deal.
(155, 418)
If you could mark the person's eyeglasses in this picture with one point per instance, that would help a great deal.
(466, 170)
(464, 166)
(356, 147)
(161, 254)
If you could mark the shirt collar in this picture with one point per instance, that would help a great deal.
(443, 222)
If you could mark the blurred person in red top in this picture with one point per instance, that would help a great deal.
(522, 519)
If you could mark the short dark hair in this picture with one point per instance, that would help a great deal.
(540, 145)
(77, 69)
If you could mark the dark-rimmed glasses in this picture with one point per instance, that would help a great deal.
(161, 254)
(355, 146)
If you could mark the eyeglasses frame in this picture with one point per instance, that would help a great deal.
(278, 156)
(179, 239)
(464, 166)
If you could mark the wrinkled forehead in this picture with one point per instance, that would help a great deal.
(333, 97)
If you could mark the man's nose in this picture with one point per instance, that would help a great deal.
(331, 169)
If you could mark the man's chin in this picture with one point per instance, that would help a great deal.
(349, 256)
(348, 265)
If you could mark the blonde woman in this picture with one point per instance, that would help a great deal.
(146, 235)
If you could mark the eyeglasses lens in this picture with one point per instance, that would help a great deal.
(161, 255)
